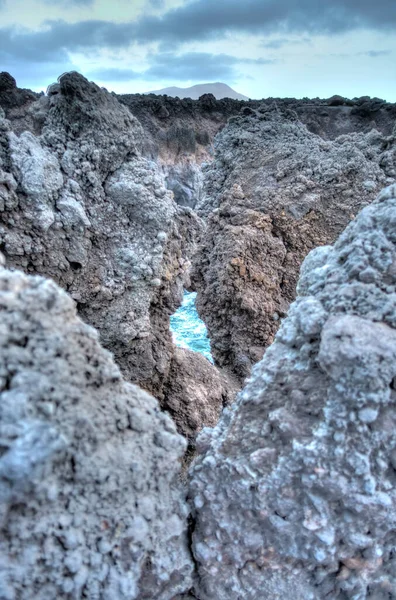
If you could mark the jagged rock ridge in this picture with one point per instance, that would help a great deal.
(80, 204)
(180, 132)
(272, 193)
(294, 492)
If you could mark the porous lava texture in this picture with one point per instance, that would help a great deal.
(273, 192)
(195, 393)
(90, 499)
(79, 203)
(294, 493)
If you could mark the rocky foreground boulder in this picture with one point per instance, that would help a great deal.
(79, 203)
(90, 499)
(294, 493)
(273, 192)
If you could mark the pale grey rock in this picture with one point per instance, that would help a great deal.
(294, 493)
(90, 500)
(185, 181)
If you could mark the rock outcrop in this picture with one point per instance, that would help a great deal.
(16, 103)
(179, 133)
(294, 494)
(195, 393)
(176, 127)
(90, 499)
(80, 204)
(273, 192)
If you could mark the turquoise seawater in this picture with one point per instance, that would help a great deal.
(188, 330)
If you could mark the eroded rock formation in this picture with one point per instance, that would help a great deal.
(90, 499)
(179, 133)
(195, 393)
(273, 192)
(294, 493)
(80, 204)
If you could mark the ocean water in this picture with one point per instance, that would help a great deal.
(188, 330)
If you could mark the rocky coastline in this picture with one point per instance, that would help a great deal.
(133, 469)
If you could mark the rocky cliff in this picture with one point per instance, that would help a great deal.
(274, 191)
(294, 493)
(81, 204)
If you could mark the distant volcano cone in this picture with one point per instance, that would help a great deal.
(219, 90)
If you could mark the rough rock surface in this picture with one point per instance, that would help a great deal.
(273, 192)
(295, 491)
(179, 133)
(16, 103)
(183, 126)
(185, 181)
(90, 500)
(80, 204)
(195, 393)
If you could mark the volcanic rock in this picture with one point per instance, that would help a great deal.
(90, 500)
(294, 493)
(81, 205)
(273, 192)
(195, 393)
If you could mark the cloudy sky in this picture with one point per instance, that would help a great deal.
(260, 47)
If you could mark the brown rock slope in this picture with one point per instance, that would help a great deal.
(294, 493)
(80, 204)
(273, 192)
(195, 393)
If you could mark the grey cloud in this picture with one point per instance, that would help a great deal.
(19, 45)
(275, 44)
(281, 42)
(370, 53)
(198, 66)
(376, 53)
(200, 20)
(194, 66)
(58, 38)
(205, 19)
